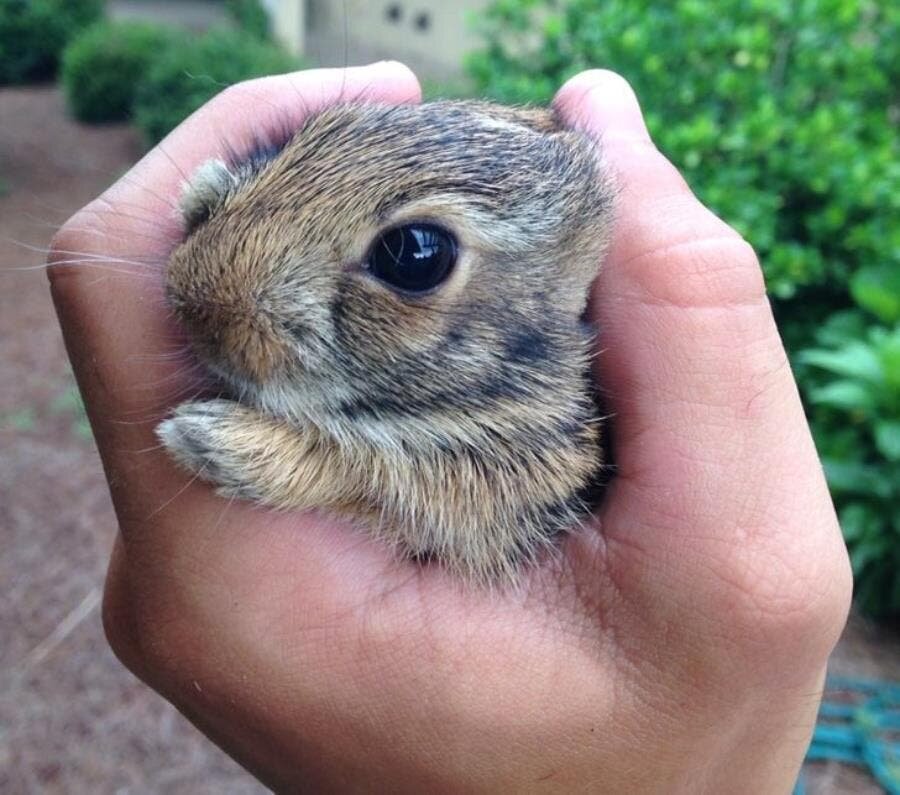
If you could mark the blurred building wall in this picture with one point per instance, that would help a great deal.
(192, 14)
(430, 35)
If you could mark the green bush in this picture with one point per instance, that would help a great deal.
(102, 66)
(250, 16)
(852, 383)
(783, 117)
(33, 34)
(858, 434)
(184, 77)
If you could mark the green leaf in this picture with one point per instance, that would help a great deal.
(853, 477)
(862, 555)
(889, 355)
(856, 360)
(877, 288)
(846, 395)
(887, 438)
(21, 420)
(841, 326)
(854, 521)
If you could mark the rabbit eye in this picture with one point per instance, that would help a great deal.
(413, 257)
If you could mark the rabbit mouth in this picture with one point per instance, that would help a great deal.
(231, 384)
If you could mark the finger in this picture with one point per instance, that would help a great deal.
(714, 453)
(686, 330)
(656, 209)
(112, 311)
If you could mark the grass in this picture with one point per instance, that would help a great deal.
(67, 404)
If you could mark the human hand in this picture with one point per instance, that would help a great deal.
(676, 645)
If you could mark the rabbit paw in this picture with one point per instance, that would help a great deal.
(204, 438)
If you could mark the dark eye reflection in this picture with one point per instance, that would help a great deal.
(414, 257)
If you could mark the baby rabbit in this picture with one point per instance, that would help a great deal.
(394, 303)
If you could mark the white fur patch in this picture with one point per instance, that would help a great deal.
(207, 188)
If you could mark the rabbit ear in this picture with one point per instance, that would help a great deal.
(206, 190)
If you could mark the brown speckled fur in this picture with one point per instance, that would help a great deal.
(458, 425)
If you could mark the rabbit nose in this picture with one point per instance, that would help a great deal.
(240, 340)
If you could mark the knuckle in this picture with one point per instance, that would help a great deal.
(74, 242)
(157, 646)
(148, 635)
(784, 605)
(118, 626)
(67, 239)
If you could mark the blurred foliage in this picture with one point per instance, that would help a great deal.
(33, 34)
(103, 65)
(69, 404)
(437, 90)
(184, 77)
(158, 75)
(250, 16)
(857, 429)
(783, 116)
(21, 420)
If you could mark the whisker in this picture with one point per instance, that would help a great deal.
(153, 449)
(85, 254)
(218, 523)
(34, 198)
(103, 234)
(107, 267)
(187, 393)
(131, 181)
(171, 159)
(346, 50)
(166, 380)
(163, 357)
(149, 218)
(134, 423)
(178, 493)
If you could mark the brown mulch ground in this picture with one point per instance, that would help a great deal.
(72, 720)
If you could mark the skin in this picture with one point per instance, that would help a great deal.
(677, 645)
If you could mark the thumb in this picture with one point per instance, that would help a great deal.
(717, 469)
(689, 344)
